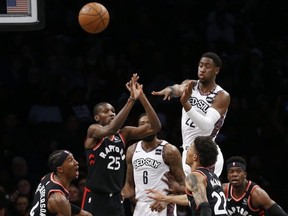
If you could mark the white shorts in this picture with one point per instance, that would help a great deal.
(218, 165)
(143, 209)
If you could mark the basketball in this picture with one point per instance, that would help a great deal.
(93, 17)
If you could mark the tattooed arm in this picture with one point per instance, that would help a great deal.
(196, 184)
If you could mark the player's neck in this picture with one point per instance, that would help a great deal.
(239, 190)
(206, 88)
(62, 180)
(151, 145)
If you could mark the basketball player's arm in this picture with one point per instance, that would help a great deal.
(175, 178)
(97, 131)
(260, 198)
(175, 90)
(221, 102)
(59, 204)
(154, 125)
(196, 184)
(128, 190)
(160, 197)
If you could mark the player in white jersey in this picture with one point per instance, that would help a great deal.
(205, 105)
(147, 162)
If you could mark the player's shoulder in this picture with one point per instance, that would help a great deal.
(94, 127)
(170, 151)
(219, 88)
(223, 95)
(131, 148)
(170, 146)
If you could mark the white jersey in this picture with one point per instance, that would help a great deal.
(148, 168)
(200, 103)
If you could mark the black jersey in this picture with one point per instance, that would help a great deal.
(214, 192)
(106, 165)
(242, 205)
(45, 188)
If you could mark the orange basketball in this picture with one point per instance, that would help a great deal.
(93, 17)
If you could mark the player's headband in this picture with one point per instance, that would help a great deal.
(59, 159)
(236, 164)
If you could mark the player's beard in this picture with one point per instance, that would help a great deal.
(149, 138)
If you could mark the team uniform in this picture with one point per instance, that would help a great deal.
(243, 204)
(45, 188)
(215, 195)
(105, 177)
(148, 169)
(200, 102)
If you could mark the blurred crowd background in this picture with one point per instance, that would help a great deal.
(51, 79)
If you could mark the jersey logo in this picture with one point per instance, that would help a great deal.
(237, 210)
(244, 201)
(158, 151)
(209, 99)
(91, 159)
(146, 162)
(116, 139)
(201, 104)
(112, 149)
(215, 182)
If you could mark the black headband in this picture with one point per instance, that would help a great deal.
(58, 161)
(236, 164)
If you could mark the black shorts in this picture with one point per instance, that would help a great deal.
(101, 204)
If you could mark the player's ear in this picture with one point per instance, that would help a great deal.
(60, 169)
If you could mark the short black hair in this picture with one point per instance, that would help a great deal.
(57, 158)
(96, 107)
(216, 59)
(206, 149)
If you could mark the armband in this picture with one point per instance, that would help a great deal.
(75, 210)
(206, 122)
(204, 209)
(275, 209)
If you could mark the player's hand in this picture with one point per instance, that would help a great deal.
(158, 206)
(166, 92)
(155, 195)
(134, 87)
(173, 186)
(187, 92)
